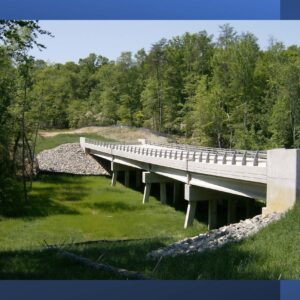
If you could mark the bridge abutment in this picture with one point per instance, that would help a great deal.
(283, 180)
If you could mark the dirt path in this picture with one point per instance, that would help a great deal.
(119, 133)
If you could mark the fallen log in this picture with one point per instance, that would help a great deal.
(99, 266)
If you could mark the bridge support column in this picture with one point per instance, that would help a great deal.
(147, 190)
(138, 179)
(283, 180)
(212, 214)
(231, 211)
(127, 178)
(190, 214)
(115, 168)
(149, 178)
(163, 193)
(192, 194)
(249, 208)
(176, 192)
(114, 178)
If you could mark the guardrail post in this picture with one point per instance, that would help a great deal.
(233, 161)
(224, 161)
(244, 159)
(200, 156)
(255, 161)
(207, 157)
(216, 158)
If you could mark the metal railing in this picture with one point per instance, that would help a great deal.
(188, 153)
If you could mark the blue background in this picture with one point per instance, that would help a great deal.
(290, 9)
(141, 290)
(140, 9)
(290, 290)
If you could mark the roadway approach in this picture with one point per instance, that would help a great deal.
(208, 174)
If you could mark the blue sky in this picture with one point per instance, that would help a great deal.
(76, 39)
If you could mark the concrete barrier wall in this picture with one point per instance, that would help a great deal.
(283, 179)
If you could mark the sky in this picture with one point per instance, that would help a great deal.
(77, 39)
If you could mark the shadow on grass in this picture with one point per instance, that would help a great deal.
(45, 200)
(227, 263)
(47, 264)
(115, 206)
(40, 205)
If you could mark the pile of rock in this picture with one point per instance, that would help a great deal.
(216, 238)
(69, 159)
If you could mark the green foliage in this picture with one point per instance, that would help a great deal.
(250, 98)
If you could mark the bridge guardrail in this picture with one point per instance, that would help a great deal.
(193, 154)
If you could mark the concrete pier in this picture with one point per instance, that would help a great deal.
(212, 214)
(147, 190)
(163, 193)
(127, 178)
(114, 178)
(138, 179)
(231, 211)
(176, 192)
(148, 179)
(190, 214)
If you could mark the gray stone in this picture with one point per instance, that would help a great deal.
(216, 238)
(69, 159)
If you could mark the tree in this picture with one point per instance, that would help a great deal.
(18, 37)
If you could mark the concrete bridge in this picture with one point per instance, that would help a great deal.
(208, 174)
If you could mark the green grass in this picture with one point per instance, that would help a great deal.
(273, 253)
(75, 211)
(44, 143)
(70, 209)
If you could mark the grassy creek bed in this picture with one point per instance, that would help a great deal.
(76, 211)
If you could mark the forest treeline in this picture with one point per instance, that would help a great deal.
(225, 93)
(222, 92)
